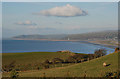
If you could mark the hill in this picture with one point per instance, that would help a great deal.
(103, 35)
(92, 68)
(37, 36)
(111, 35)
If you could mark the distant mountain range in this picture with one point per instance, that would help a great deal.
(59, 36)
(94, 35)
(111, 35)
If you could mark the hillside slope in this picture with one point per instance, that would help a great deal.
(93, 68)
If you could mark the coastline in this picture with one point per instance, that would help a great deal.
(95, 42)
(44, 39)
(104, 43)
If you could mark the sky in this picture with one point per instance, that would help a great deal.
(24, 18)
(0, 21)
(59, 0)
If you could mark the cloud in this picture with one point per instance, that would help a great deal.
(26, 23)
(64, 11)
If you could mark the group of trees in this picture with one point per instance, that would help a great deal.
(76, 58)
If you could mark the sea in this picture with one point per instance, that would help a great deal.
(21, 46)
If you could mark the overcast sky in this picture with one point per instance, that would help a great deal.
(58, 18)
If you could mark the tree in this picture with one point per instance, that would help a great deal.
(100, 52)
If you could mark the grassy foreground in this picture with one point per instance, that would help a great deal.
(92, 68)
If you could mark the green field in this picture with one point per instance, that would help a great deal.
(32, 58)
(92, 68)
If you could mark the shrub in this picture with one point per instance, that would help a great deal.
(66, 61)
(14, 74)
(77, 58)
(38, 68)
(44, 66)
(112, 75)
(57, 60)
(9, 67)
(47, 61)
(91, 56)
(70, 60)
